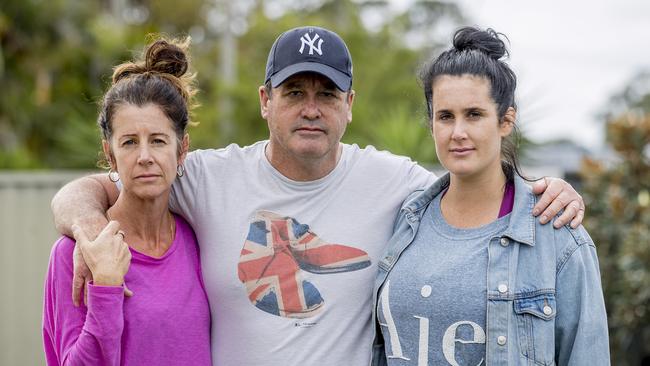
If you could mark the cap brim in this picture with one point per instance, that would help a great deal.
(342, 81)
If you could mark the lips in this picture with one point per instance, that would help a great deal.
(461, 149)
(147, 176)
(310, 129)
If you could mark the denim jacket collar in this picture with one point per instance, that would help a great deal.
(521, 227)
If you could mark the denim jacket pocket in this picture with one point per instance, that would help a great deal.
(535, 315)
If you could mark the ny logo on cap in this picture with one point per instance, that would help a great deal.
(307, 40)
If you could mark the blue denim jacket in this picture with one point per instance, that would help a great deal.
(545, 304)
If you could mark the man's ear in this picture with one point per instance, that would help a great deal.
(350, 100)
(508, 122)
(264, 101)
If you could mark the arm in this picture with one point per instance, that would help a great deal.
(79, 335)
(558, 195)
(83, 202)
(581, 324)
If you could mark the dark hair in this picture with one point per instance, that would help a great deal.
(479, 52)
(160, 77)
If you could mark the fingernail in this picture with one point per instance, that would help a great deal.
(544, 219)
(536, 212)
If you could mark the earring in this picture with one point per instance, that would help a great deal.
(180, 170)
(113, 176)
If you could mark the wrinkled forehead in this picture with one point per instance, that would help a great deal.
(311, 79)
(149, 118)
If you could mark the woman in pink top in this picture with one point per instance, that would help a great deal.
(166, 321)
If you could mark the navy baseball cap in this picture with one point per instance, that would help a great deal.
(310, 49)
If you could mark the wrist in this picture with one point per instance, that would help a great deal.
(107, 280)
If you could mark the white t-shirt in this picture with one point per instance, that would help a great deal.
(289, 266)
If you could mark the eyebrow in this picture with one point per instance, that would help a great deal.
(475, 109)
(480, 109)
(153, 134)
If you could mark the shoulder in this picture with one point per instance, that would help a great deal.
(184, 231)
(384, 162)
(226, 153)
(575, 243)
(563, 242)
(420, 198)
(567, 242)
(186, 244)
(566, 238)
(61, 255)
(210, 163)
(63, 248)
(182, 226)
(380, 157)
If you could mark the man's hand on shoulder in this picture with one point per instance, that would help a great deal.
(557, 195)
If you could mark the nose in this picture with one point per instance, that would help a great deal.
(311, 109)
(144, 156)
(459, 132)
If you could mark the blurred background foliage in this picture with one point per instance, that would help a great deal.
(56, 59)
(617, 196)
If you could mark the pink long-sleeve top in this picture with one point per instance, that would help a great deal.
(166, 322)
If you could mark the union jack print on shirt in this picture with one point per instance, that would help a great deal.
(276, 251)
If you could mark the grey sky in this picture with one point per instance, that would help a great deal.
(569, 56)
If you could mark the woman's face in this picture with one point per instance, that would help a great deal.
(144, 150)
(465, 125)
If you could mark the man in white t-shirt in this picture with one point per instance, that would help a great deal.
(290, 229)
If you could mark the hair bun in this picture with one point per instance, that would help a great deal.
(166, 58)
(162, 57)
(487, 41)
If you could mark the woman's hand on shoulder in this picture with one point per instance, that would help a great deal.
(108, 256)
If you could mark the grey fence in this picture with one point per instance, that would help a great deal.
(26, 237)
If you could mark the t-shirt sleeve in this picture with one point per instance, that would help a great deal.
(183, 199)
(418, 177)
(79, 335)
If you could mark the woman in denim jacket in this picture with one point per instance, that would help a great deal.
(470, 277)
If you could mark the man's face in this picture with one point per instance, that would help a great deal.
(307, 116)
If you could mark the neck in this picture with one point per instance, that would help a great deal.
(148, 224)
(473, 201)
(302, 169)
